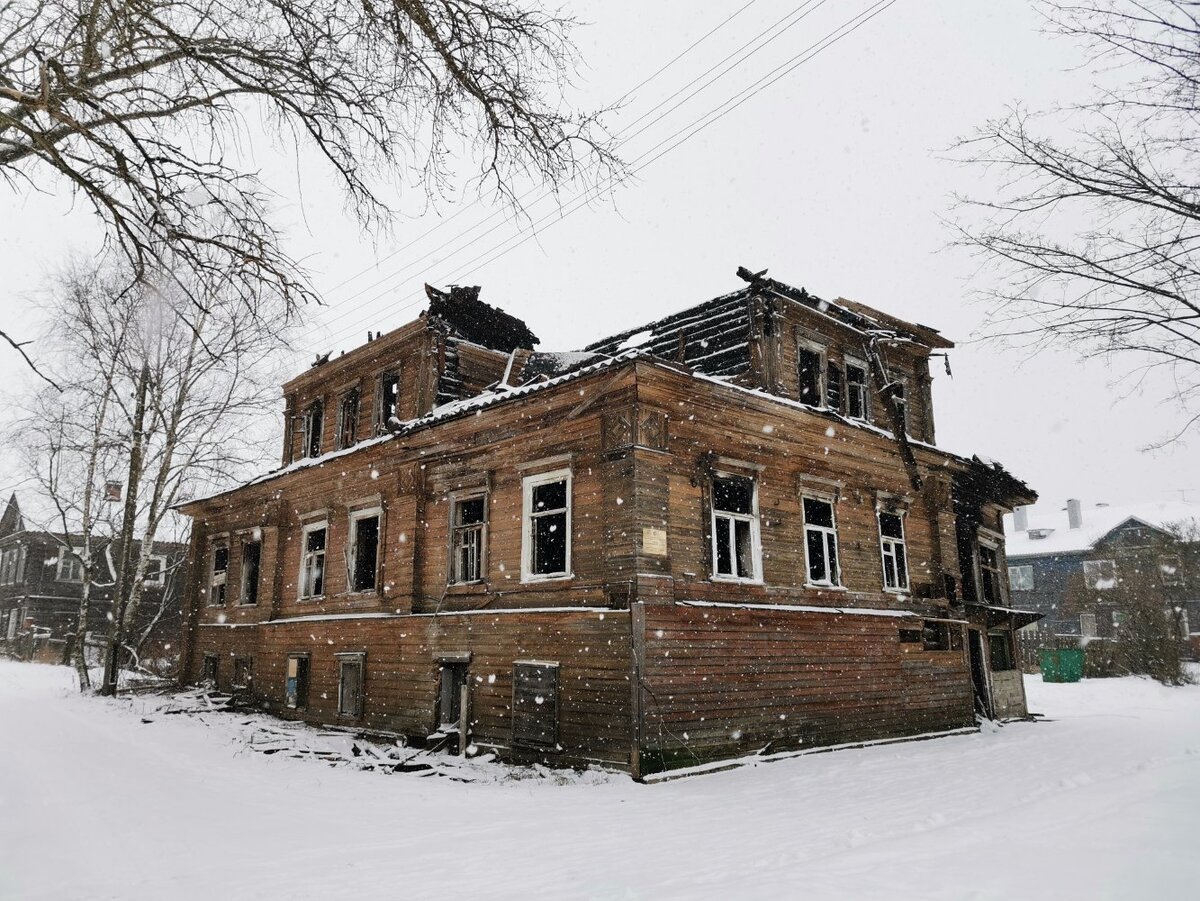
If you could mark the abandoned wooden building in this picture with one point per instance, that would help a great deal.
(726, 531)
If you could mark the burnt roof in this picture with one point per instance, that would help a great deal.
(468, 317)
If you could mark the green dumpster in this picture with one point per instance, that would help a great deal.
(1061, 664)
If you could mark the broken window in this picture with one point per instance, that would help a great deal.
(453, 678)
(989, 574)
(810, 362)
(467, 538)
(547, 527)
(251, 561)
(858, 397)
(895, 551)
(1001, 652)
(535, 705)
(243, 672)
(935, 635)
(312, 561)
(833, 387)
(1118, 619)
(208, 672)
(820, 542)
(314, 422)
(901, 404)
(364, 550)
(156, 570)
(387, 404)
(14, 621)
(351, 673)
(220, 571)
(1170, 571)
(70, 565)
(348, 419)
(1020, 578)
(296, 684)
(735, 528)
(1100, 575)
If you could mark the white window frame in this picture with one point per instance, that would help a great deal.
(457, 498)
(1176, 580)
(352, 548)
(527, 520)
(162, 571)
(1093, 581)
(849, 362)
(756, 577)
(1017, 573)
(829, 539)
(68, 559)
(887, 545)
(822, 372)
(214, 580)
(301, 581)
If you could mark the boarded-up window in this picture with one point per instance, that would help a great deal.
(535, 705)
(350, 684)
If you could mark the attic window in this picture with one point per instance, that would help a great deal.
(387, 404)
(811, 363)
(1100, 575)
(314, 422)
(1170, 571)
(348, 419)
(858, 398)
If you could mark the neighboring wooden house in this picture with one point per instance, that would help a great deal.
(692, 540)
(1078, 565)
(41, 584)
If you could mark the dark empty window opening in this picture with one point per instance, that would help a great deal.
(548, 525)
(935, 635)
(735, 528)
(820, 542)
(364, 552)
(348, 419)
(810, 376)
(833, 387)
(243, 672)
(453, 678)
(350, 684)
(468, 537)
(535, 705)
(296, 682)
(251, 560)
(208, 672)
(858, 398)
(220, 572)
(989, 574)
(901, 404)
(388, 403)
(314, 422)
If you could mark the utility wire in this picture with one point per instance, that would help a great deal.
(650, 156)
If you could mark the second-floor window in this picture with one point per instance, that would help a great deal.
(70, 565)
(387, 404)
(1020, 578)
(895, 551)
(858, 395)
(989, 574)
(12, 566)
(1170, 571)
(735, 529)
(547, 528)
(217, 578)
(156, 571)
(1100, 575)
(314, 422)
(364, 550)
(820, 542)
(312, 561)
(348, 419)
(833, 387)
(811, 364)
(900, 400)
(251, 562)
(468, 537)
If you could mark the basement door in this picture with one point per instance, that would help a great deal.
(979, 674)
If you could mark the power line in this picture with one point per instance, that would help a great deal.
(796, 15)
(641, 84)
(688, 132)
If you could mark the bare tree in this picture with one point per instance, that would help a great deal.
(139, 106)
(1094, 225)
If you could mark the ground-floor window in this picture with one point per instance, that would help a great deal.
(351, 673)
(454, 677)
(535, 704)
(935, 635)
(243, 672)
(208, 672)
(1001, 651)
(296, 683)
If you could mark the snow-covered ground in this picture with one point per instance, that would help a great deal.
(1099, 801)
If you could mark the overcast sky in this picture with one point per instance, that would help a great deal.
(833, 178)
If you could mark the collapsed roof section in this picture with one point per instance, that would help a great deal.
(466, 316)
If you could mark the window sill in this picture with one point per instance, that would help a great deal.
(903, 593)
(734, 580)
(547, 580)
(252, 604)
(311, 599)
(465, 588)
(824, 586)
